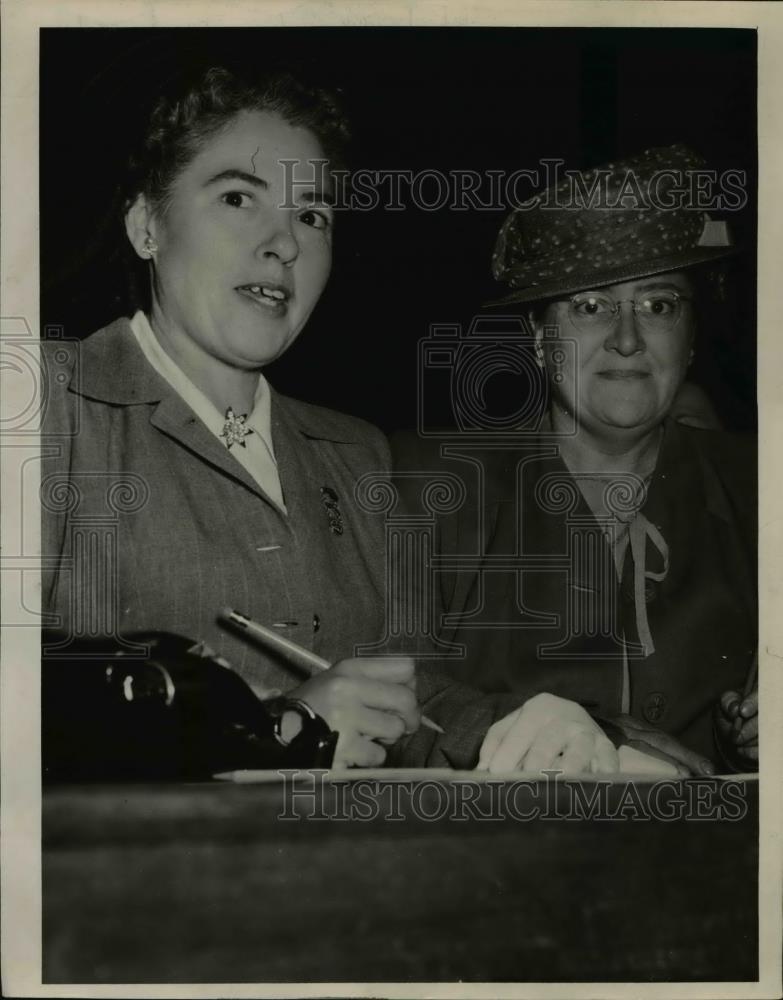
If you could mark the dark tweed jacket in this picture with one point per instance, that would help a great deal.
(702, 616)
(149, 522)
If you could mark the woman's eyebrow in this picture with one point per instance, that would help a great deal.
(650, 286)
(317, 195)
(232, 174)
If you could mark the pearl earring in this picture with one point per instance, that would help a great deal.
(150, 246)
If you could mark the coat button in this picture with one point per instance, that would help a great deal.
(654, 707)
(316, 623)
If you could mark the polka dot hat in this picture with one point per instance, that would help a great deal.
(614, 223)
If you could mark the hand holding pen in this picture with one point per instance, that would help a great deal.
(368, 701)
(737, 719)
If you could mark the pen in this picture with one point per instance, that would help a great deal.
(750, 683)
(752, 678)
(291, 651)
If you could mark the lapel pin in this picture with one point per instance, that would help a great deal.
(235, 429)
(329, 500)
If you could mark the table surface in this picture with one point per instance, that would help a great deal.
(205, 883)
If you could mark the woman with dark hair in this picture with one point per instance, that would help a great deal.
(214, 490)
(627, 597)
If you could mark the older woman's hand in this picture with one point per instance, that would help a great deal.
(654, 742)
(548, 732)
(367, 701)
(737, 726)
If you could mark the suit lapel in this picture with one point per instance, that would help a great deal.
(174, 418)
(112, 368)
(474, 532)
(295, 475)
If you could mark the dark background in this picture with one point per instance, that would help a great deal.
(419, 98)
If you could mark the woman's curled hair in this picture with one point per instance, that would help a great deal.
(181, 123)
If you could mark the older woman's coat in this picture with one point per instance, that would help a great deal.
(531, 594)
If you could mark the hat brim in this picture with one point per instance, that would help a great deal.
(580, 281)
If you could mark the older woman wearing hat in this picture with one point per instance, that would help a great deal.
(632, 603)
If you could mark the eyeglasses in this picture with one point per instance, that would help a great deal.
(656, 311)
